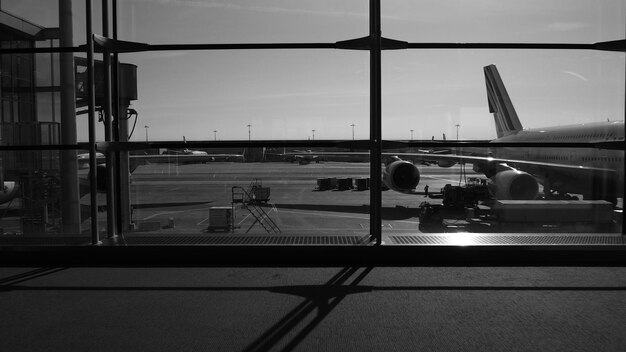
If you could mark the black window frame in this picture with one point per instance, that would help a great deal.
(110, 47)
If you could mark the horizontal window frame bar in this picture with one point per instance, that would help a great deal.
(616, 45)
(346, 144)
(312, 256)
(44, 50)
(43, 147)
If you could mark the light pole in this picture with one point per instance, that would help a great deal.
(249, 132)
(215, 135)
(313, 134)
(457, 131)
(146, 127)
(352, 130)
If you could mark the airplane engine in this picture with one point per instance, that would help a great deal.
(401, 176)
(514, 185)
(446, 163)
(8, 191)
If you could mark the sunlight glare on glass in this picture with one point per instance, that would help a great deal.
(461, 239)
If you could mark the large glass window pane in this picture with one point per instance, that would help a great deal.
(41, 14)
(242, 21)
(287, 194)
(510, 21)
(282, 95)
(510, 190)
(556, 96)
(433, 91)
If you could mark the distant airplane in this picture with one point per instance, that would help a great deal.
(516, 172)
(303, 157)
(185, 156)
(200, 156)
(185, 151)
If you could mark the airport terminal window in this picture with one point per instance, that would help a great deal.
(227, 124)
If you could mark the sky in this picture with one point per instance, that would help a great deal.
(286, 94)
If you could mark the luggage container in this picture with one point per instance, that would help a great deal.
(220, 219)
(323, 184)
(344, 184)
(362, 184)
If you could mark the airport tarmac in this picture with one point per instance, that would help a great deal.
(176, 200)
(183, 194)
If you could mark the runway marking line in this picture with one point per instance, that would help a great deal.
(323, 214)
(170, 212)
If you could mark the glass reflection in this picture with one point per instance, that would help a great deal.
(30, 199)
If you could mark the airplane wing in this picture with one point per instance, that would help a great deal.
(442, 156)
(567, 178)
(473, 159)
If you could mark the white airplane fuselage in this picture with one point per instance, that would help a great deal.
(577, 157)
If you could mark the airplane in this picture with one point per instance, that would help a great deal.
(517, 172)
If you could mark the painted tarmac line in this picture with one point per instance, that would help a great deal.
(200, 223)
(325, 214)
(171, 212)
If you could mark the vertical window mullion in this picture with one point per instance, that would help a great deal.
(375, 123)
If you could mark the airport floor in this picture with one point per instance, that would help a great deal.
(313, 309)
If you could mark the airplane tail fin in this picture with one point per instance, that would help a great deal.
(500, 104)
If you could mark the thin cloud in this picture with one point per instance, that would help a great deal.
(577, 75)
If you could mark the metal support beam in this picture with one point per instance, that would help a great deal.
(108, 129)
(624, 185)
(375, 123)
(91, 88)
(120, 112)
(70, 204)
